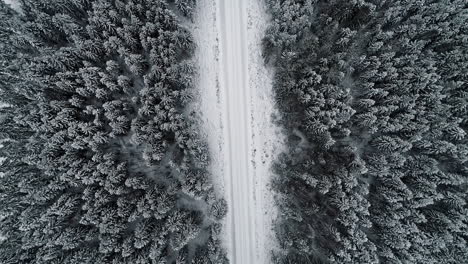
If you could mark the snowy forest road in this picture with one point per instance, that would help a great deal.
(234, 59)
(236, 110)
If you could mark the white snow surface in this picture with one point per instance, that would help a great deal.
(236, 110)
(14, 4)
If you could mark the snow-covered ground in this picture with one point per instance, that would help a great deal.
(15, 4)
(236, 107)
(267, 138)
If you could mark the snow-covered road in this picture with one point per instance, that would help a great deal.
(236, 109)
(235, 85)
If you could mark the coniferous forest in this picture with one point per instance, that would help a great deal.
(374, 94)
(103, 165)
(102, 161)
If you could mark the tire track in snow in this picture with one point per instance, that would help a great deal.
(235, 87)
(236, 105)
